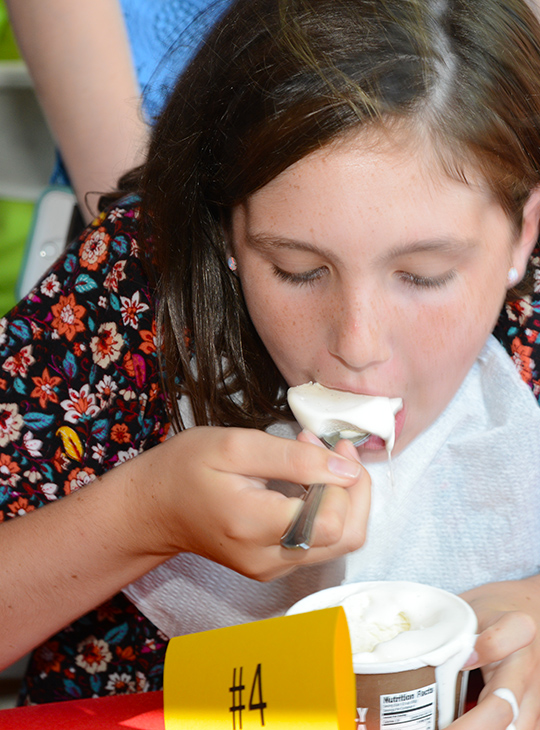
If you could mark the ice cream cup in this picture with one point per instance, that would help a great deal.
(409, 644)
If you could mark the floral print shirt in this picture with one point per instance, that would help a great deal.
(518, 330)
(79, 394)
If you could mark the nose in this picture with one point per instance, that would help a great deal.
(361, 331)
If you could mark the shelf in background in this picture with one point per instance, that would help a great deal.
(14, 74)
(27, 156)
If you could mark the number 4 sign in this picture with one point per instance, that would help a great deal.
(282, 673)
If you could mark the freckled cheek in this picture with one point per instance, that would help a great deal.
(451, 338)
(289, 332)
(270, 313)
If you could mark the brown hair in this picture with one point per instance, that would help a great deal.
(276, 80)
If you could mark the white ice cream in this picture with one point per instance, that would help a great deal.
(396, 621)
(373, 621)
(324, 411)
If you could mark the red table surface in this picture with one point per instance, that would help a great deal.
(123, 712)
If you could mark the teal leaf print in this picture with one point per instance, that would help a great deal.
(121, 244)
(115, 302)
(115, 636)
(39, 420)
(84, 283)
(100, 429)
(146, 427)
(70, 365)
(95, 683)
(20, 329)
(46, 471)
(70, 263)
(19, 386)
(72, 689)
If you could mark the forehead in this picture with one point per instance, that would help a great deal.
(370, 180)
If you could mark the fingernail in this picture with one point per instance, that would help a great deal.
(343, 467)
(473, 659)
(312, 438)
(352, 451)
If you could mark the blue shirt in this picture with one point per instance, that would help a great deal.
(164, 35)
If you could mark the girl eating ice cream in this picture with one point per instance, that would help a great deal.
(339, 191)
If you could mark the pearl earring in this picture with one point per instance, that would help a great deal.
(231, 263)
(512, 276)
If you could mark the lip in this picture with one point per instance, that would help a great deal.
(375, 443)
(357, 391)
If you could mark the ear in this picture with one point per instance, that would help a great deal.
(530, 231)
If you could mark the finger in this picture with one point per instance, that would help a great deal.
(512, 631)
(359, 495)
(513, 675)
(343, 513)
(330, 519)
(493, 713)
(346, 449)
(258, 454)
(309, 438)
(529, 711)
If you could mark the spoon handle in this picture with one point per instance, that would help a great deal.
(298, 535)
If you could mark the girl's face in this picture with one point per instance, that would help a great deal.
(370, 270)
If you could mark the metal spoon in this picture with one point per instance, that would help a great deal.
(298, 534)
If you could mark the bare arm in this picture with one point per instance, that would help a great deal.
(79, 58)
(63, 559)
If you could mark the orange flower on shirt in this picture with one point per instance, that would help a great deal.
(67, 316)
(44, 389)
(9, 470)
(120, 433)
(149, 340)
(78, 478)
(154, 392)
(48, 658)
(128, 365)
(125, 654)
(60, 461)
(94, 250)
(521, 355)
(20, 507)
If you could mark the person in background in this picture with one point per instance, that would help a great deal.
(89, 61)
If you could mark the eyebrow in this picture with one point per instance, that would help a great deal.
(441, 245)
(264, 242)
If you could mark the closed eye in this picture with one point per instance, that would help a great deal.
(427, 282)
(304, 277)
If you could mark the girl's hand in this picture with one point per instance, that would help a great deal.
(508, 651)
(205, 490)
(202, 491)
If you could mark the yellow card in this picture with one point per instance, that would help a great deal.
(288, 672)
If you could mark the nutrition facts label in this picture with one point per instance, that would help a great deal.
(412, 710)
